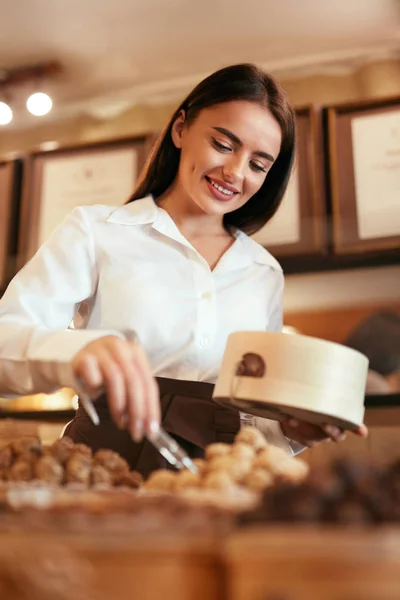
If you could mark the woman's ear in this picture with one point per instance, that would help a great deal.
(178, 128)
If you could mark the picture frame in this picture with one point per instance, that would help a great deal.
(56, 181)
(10, 191)
(299, 228)
(364, 174)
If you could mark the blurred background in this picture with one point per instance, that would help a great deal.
(86, 86)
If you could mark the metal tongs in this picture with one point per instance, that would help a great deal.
(164, 443)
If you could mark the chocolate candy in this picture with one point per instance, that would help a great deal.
(347, 493)
(251, 365)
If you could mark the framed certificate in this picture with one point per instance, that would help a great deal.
(58, 181)
(299, 226)
(364, 163)
(10, 187)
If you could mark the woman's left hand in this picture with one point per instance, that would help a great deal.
(310, 435)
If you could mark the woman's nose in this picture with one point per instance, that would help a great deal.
(234, 170)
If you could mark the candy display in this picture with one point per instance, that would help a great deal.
(346, 493)
(250, 463)
(64, 463)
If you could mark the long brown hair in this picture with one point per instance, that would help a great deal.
(237, 82)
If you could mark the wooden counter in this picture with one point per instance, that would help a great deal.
(260, 563)
(304, 563)
(120, 567)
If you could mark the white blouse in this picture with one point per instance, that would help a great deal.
(109, 269)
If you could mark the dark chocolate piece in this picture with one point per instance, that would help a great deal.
(251, 365)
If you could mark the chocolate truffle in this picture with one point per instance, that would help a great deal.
(201, 464)
(251, 436)
(217, 449)
(82, 449)
(218, 480)
(294, 470)
(269, 456)
(26, 444)
(61, 449)
(132, 480)
(100, 476)
(111, 461)
(258, 480)
(162, 480)
(6, 457)
(251, 365)
(78, 469)
(243, 451)
(21, 470)
(48, 469)
(185, 480)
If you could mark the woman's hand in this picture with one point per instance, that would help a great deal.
(123, 369)
(310, 435)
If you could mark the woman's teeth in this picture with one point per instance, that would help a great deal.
(221, 189)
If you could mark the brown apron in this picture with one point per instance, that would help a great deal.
(188, 414)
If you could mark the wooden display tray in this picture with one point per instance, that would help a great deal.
(313, 563)
(122, 567)
(263, 562)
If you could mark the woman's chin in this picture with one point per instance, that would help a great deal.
(214, 207)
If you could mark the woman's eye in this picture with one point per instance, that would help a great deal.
(258, 167)
(220, 146)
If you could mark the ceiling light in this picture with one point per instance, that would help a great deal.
(6, 114)
(46, 146)
(39, 104)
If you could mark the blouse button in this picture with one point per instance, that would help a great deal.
(204, 340)
(206, 295)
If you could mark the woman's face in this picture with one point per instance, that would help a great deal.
(226, 153)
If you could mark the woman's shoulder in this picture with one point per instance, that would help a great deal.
(259, 253)
(116, 213)
(93, 212)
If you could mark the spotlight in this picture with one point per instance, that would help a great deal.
(6, 114)
(39, 104)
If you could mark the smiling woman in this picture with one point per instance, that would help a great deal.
(176, 266)
(224, 144)
(235, 127)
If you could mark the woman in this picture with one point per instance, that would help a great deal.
(175, 264)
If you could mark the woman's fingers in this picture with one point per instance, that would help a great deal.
(123, 369)
(335, 433)
(136, 403)
(309, 434)
(143, 401)
(100, 370)
(304, 433)
(362, 431)
(114, 383)
(138, 378)
(151, 391)
(131, 414)
(88, 370)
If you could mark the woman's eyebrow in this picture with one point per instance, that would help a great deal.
(239, 142)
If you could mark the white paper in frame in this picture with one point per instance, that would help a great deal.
(284, 227)
(376, 156)
(107, 177)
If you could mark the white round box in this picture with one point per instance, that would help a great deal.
(293, 376)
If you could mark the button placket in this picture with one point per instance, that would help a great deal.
(203, 340)
(206, 295)
(206, 306)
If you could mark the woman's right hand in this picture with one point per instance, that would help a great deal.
(122, 367)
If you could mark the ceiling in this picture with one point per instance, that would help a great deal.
(116, 53)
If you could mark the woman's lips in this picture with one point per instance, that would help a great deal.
(221, 191)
